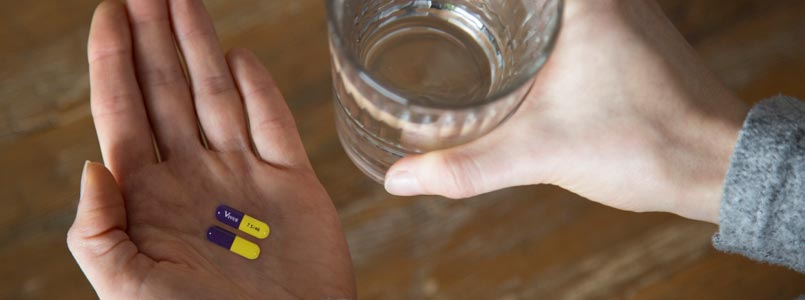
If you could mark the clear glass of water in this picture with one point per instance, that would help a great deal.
(412, 76)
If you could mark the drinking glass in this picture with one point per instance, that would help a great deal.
(412, 76)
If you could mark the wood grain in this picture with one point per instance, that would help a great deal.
(521, 243)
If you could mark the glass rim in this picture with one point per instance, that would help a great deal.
(529, 78)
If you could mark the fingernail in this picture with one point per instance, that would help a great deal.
(403, 183)
(83, 180)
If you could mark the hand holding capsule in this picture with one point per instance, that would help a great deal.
(141, 224)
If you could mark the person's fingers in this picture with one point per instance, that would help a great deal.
(98, 240)
(218, 104)
(161, 77)
(117, 108)
(272, 126)
(478, 167)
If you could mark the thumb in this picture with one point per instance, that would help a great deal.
(478, 167)
(98, 239)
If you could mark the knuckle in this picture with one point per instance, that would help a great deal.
(153, 19)
(115, 104)
(70, 237)
(461, 174)
(74, 238)
(216, 85)
(99, 52)
(201, 32)
(278, 122)
(264, 90)
(162, 76)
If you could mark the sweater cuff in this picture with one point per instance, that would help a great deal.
(762, 213)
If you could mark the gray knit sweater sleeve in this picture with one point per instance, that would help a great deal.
(763, 206)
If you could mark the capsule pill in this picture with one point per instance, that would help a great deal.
(242, 222)
(234, 243)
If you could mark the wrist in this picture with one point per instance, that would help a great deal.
(712, 140)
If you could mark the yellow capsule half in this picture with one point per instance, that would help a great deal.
(245, 248)
(254, 227)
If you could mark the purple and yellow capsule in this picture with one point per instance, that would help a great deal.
(242, 222)
(234, 243)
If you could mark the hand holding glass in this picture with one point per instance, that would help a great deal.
(416, 76)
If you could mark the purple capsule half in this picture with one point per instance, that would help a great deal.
(229, 216)
(220, 236)
(234, 243)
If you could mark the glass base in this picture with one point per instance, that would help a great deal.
(371, 155)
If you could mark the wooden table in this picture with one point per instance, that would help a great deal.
(523, 243)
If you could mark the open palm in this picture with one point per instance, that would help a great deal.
(141, 224)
